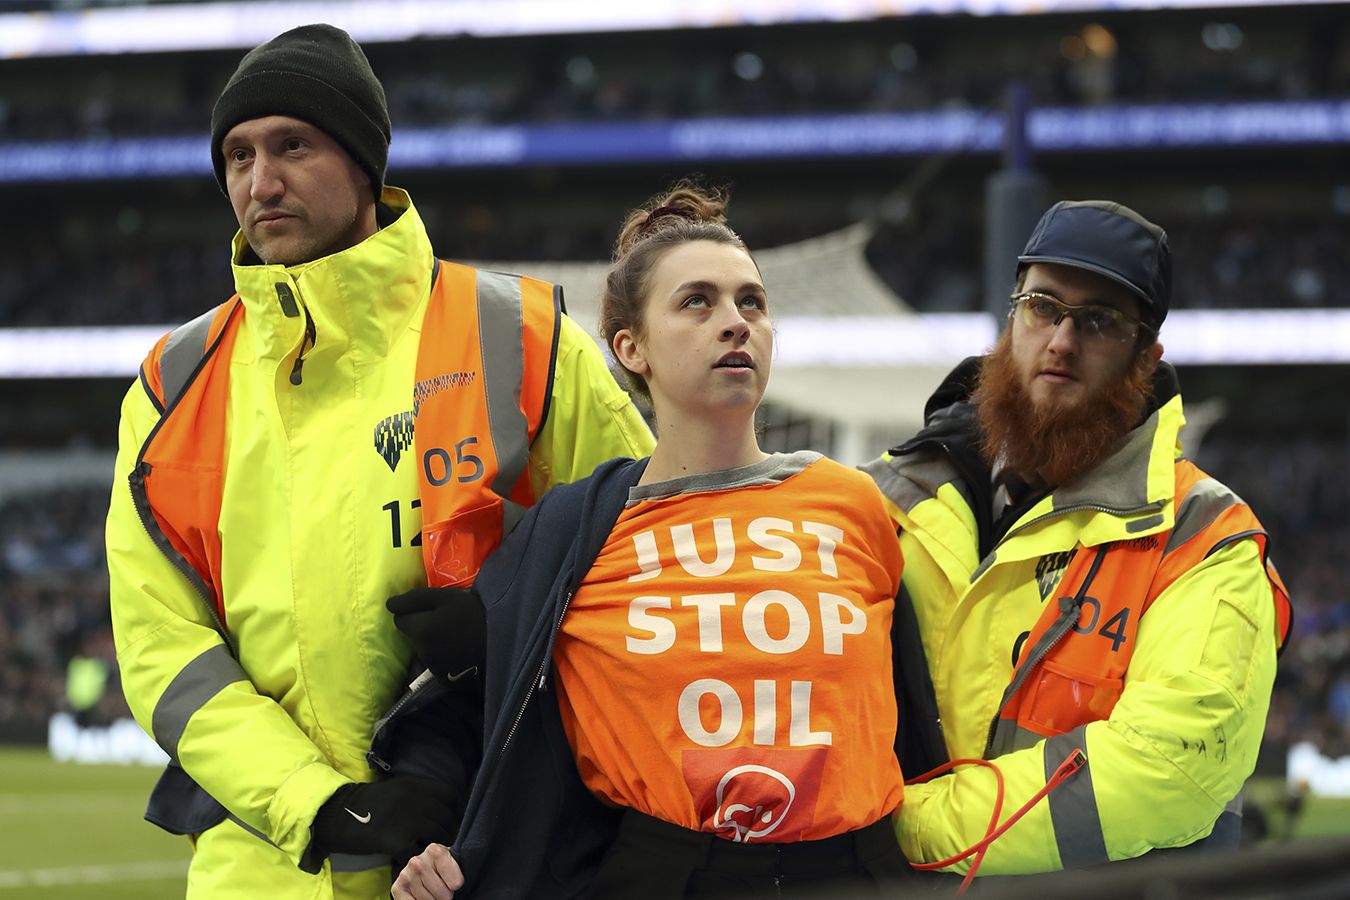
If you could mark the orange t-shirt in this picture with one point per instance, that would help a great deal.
(726, 663)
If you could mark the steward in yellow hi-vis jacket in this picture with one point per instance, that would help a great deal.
(359, 420)
(1075, 582)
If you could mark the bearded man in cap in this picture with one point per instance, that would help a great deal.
(360, 420)
(1098, 615)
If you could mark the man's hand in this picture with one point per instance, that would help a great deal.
(447, 626)
(393, 817)
(431, 875)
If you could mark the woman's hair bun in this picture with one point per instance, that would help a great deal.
(687, 201)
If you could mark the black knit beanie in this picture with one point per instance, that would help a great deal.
(316, 73)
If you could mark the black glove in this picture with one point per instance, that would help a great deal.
(397, 817)
(447, 626)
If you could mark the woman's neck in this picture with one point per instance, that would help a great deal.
(698, 446)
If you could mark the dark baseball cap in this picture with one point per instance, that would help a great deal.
(1112, 240)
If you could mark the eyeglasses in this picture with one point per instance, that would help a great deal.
(1094, 321)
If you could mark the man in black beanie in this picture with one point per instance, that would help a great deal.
(1098, 615)
(314, 88)
(361, 420)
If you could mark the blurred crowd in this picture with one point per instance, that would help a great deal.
(130, 275)
(1299, 491)
(1230, 262)
(1298, 263)
(127, 264)
(54, 612)
(54, 606)
(915, 63)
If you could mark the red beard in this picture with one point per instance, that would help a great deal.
(1058, 444)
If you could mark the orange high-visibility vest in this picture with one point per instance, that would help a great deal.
(1072, 665)
(492, 337)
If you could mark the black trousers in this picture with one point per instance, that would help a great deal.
(655, 860)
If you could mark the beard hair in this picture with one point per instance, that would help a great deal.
(1054, 444)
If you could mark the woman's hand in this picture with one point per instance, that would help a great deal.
(433, 874)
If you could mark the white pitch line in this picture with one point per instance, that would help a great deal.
(139, 871)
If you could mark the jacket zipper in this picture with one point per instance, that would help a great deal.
(1134, 510)
(1067, 617)
(490, 768)
(306, 343)
(419, 684)
(987, 561)
(540, 677)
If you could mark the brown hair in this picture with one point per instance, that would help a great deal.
(687, 212)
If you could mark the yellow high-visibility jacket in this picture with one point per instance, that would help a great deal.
(1182, 737)
(319, 525)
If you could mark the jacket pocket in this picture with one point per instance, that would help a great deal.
(457, 546)
(1062, 699)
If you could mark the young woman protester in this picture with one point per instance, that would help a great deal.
(688, 665)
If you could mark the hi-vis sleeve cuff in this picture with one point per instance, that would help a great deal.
(294, 805)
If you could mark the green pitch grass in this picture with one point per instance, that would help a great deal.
(74, 832)
(1324, 816)
(1316, 817)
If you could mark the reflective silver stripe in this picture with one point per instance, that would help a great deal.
(203, 678)
(351, 862)
(1138, 525)
(250, 829)
(1009, 736)
(338, 862)
(1204, 503)
(910, 479)
(182, 351)
(501, 330)
(984, 566)
(1073, 805)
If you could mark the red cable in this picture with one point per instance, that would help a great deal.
(1071, 764)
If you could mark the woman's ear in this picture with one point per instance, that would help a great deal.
(629, 353)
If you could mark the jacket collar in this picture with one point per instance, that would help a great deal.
(1127, 495)
(362, 298)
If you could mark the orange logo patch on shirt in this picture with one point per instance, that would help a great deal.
(746, 795)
